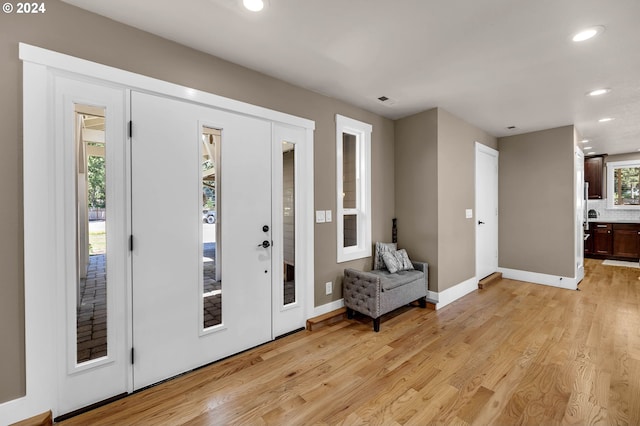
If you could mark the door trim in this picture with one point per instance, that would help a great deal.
(39, 234)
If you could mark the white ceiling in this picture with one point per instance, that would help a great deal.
(493, 63)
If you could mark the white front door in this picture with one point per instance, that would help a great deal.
(486, 211)
(174, 289)
(89, 227)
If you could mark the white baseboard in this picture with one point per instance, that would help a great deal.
(328, 307)
(443, 298)
(568, 283)
(454, 293)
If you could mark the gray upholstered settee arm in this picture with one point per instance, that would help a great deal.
(424, 267)
(362, 292)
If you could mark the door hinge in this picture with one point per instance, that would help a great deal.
(132, 358)
(130, 242)
(130, 129)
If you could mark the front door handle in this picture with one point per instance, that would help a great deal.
(265, 244)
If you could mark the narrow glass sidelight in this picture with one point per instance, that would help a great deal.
(211, 221)
(91, 234)
(289, 221)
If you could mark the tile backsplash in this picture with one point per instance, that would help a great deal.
(605, 214)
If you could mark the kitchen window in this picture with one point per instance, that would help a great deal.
(353, 158)
(623, 185)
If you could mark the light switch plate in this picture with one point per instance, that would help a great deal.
(469, 213)
(320, 216)
(327, 215)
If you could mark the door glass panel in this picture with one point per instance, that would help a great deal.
(211, 271)
(349, 171)
(289, 222)
(350, 230)
(91, 234)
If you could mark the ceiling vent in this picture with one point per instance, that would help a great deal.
(386, 100)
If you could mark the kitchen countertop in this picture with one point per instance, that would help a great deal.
(605, 220)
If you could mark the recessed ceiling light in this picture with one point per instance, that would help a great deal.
(253, 5)
(588, 33)
(591, 153)
(604, 120)
(585, 141)
(599, 92)
(588, 147)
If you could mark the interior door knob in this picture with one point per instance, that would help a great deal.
(480, 222)
(265, 244)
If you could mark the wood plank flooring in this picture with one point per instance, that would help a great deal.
(514, 353)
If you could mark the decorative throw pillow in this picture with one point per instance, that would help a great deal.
(403, 259)
(397, 261)
(381, 248)
(391, 261)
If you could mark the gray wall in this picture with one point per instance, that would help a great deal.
(416, 182)
(435, 175)
(536, 205)
(456, 192)
(70, 30)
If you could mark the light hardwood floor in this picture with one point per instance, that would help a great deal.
(514, 353)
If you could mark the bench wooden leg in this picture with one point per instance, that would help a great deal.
(423, 302)
(376, 324)
(349, 313)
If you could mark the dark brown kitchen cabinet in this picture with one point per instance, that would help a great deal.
(593, 174)
(626, 240)
(602, 238)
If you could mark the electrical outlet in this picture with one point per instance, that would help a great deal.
(329, 287)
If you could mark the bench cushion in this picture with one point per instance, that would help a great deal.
(390, 281)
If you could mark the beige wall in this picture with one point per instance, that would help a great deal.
(69, 30)
(456, 192)
(536, 231)
(416, 183)
(435, 175)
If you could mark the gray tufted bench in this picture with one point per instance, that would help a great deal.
(378, 292)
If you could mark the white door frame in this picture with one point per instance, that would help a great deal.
(481, 148)
(39, 233)
(579, 213)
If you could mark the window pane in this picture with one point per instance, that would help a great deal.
(289, 221)
(349, 171)
(91, 234)
(350, 230)
(211, 273)
(625, 190)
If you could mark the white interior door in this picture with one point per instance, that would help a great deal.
(486, 211)
(167, 226)
(89, 221)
